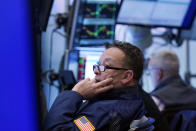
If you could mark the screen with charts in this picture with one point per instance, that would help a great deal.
(82, 61)
(95, 23)
(163, 13)
(86, 61)
(97, 9)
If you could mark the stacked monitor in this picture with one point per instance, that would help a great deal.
(160, 13)
(82, 61)
(94, 23)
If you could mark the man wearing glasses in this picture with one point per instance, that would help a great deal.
(112, 98)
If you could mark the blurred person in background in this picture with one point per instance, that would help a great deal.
(171, 93)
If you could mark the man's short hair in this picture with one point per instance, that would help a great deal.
(134, 59)
(168, 61)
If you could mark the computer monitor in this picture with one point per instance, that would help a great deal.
(157, 13)
(81, 62)
(93, 23)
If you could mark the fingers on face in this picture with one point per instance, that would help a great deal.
(104, 83)
(101, 86)
(93, 81)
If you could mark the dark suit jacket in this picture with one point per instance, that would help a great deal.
(161, 123)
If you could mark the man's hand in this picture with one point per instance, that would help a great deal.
(89, 88)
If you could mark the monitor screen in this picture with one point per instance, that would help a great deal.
(158, 13)
(81, 62)
(87, 58)
(94, 23)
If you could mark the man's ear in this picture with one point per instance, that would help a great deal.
(127, 77)
(160, 74)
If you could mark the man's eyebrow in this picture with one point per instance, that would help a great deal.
(104, 61)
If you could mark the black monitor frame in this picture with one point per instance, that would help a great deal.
(44, 13)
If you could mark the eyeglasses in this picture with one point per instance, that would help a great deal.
(102, 68)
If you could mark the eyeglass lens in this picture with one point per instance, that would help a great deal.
(100, 67)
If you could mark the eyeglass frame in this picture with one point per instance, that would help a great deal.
(106, 67)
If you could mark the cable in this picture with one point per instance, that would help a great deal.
(50, 61)
(61, 34)
(51, 46)
(50, 65)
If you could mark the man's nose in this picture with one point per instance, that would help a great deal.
(96, 71)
